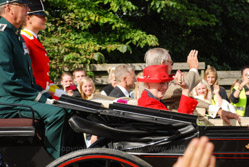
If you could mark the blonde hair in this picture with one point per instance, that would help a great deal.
(137, 93)
(65, 74)
(209, 70)
(155, 56)
(81, 83)
(208, 96)
(111, 72)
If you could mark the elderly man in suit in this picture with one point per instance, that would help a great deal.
(125, 78)
(18, 85)
(158, 56)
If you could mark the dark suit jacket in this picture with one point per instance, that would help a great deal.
(107, 89)
(116, 92)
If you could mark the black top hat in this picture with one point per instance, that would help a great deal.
(37, 8)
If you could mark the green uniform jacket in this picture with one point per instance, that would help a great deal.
(17, 86)
(15, 66)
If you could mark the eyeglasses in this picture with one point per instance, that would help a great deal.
(171, 62)
(166, 83)
(24, 5)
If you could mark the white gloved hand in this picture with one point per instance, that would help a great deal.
(51, 87)
(50, 101)
(59, 92)
(54, 90)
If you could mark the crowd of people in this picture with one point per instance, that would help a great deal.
(24, 68)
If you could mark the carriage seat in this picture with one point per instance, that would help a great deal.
(21, 126)
(83, 125)
(17, 127)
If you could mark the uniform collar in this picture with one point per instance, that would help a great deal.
(152, 96)
(9, 25)
(34, 34)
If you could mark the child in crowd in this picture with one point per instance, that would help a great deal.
(203, 92)
(86, 88)
(78, 74)
(112, 82)
(68, 85)
(211, 76)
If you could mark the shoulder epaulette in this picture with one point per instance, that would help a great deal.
(2, 27)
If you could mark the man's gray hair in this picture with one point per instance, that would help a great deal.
(156, 56)
(122, 70)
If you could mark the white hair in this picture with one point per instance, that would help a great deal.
(122, 70)
(156, 56)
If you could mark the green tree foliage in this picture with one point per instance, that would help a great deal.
(218, 29)
(81, 31)
(120, 31)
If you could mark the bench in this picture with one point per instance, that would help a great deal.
(101, 75)
(225, 78)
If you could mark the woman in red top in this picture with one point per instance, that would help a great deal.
(157, 80)
(35, 22)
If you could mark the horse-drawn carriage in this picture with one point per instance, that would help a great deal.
(128, 136)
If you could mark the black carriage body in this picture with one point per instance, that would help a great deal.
(155, 136)
(174, 131)
(20, 142)
(231, 147)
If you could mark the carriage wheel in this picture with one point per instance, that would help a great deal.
(98, 157)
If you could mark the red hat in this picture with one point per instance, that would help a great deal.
(156, 74)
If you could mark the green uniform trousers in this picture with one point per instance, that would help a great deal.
(59, 137)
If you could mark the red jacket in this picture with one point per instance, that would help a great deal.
(39, 59)
(187, 104)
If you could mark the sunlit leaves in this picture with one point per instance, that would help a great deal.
(80, 31)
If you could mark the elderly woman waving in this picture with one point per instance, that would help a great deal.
(157, 80)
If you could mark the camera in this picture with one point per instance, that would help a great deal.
(71, 87)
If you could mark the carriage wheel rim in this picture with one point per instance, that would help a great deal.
(98, 157)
